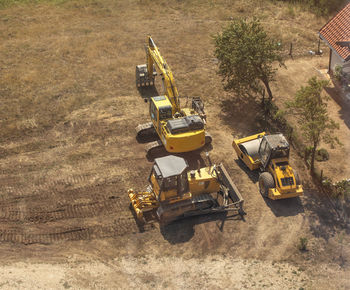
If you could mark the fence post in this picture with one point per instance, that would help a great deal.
(291, 50)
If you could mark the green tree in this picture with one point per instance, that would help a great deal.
(310, 108)
(246, 54)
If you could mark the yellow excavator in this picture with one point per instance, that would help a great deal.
(270, 154)
(178, 129)
(176, 192)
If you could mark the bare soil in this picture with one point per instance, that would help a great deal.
(68, 155)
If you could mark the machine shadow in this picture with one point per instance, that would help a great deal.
(147, 92)
(285, 207)
(182, 230)
(193, 158)
(253, 175)
(234, 114)
(345, 106)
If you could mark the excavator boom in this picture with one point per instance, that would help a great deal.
(154, 58)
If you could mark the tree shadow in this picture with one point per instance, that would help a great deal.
(182, 230)
(323, 220)
(344, 105)
(285, 207)
(242, 112)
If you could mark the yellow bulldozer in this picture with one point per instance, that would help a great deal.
(176, 192)
(177, 129)
(270, 154)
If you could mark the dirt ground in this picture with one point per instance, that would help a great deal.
(289, 81)
(68, 155)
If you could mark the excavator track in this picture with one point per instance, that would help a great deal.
(145, 132)
(154, 148)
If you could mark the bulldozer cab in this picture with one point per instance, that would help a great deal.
(169, 177)
(273, 147)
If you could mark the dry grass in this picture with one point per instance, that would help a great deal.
(58, 56)
(68, 111)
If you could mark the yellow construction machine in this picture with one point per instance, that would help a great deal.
(270, 154)
(176, 192)
(178, 129)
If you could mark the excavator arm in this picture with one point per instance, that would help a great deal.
(154, 58)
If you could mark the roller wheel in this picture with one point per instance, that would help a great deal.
(265, 183)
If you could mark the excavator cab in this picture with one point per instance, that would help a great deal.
(160, 109)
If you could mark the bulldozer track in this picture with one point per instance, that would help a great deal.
(41, 212)
(121, 227)
(44, 214)
(42, 191)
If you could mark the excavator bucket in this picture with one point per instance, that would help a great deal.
(142, 76)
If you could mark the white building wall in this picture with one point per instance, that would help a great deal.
(335, 60)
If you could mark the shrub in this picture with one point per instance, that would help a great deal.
(322, 155)
(302, 246)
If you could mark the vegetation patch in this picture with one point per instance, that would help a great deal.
(322, 155)
(319, 7)
(302, 245)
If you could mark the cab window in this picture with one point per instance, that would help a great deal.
(153, 111)
(169, 183)
(264, 151)
(165, 113)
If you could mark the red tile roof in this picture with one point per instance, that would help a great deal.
(338, 29)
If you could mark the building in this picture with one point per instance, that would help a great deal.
(336, 34)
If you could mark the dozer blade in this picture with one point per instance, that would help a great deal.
(233, 199)
(142, 203)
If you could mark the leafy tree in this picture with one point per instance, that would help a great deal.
(310, 108)
(246, 54)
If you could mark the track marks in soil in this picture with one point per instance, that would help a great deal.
(52, 206)
(121, 226)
